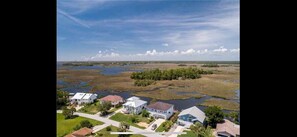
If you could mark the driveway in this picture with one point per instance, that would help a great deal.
(158, 122)
(177, 129)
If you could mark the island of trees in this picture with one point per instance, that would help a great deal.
(149, 76)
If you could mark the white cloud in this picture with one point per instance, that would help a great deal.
(234, 50)
(202, 51)
(189, 51)
(165, 44)
(221, 49)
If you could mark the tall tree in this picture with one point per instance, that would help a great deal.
(214, 115)
(124, 127)
(104, 107)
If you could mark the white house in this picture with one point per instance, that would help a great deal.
(189, 116)
(160, 110)
(80, 98)
(134, 105)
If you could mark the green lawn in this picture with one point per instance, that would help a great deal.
(162, 127)
(189, 134)
(114, 109)
(65, 127)
(127, 118)
(90, 109)
(104, 133)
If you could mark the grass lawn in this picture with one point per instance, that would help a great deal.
(162, 127)
(127, 118)
(104, 133)
(65, 127)
(189, 134)
(90, 109)
(114, 109)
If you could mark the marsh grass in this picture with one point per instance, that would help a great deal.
(222, 83)
(224, 104)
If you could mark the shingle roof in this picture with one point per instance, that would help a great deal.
(194, 111)
(228, 127)
(160, 106)
(82, 132)
(111, 98)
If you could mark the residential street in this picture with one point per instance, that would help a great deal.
(114, 123)
(177, 129)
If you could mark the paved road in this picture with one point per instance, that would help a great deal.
(114, 123)
(99, 127)
(158, 122)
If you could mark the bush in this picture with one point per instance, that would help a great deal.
(104, 107)
(214, 115)
(143, 82)
(118, 105)
(108, 128)
(77, 127)
(145, 113)
(86, 123)
(134, 119)
(68, 113)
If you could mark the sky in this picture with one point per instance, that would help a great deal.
(148, 30)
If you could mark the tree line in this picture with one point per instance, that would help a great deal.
(210, 65)
(171, 74)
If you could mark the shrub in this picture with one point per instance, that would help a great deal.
(108, 128)
(86, 123)
(134, 119)
(77, 127)
(145, 113)
(214, 115)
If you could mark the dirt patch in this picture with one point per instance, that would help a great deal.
(143, 124)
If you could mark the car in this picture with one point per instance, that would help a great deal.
(154, 126)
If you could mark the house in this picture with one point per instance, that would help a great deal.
(80, 98)
(189, 116)
(134, 105)
(113, 99)
(83, 132)
(227, 129)
(160, 110)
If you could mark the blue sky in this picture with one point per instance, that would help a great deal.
(108, 30)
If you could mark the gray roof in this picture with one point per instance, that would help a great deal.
(194, 111)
